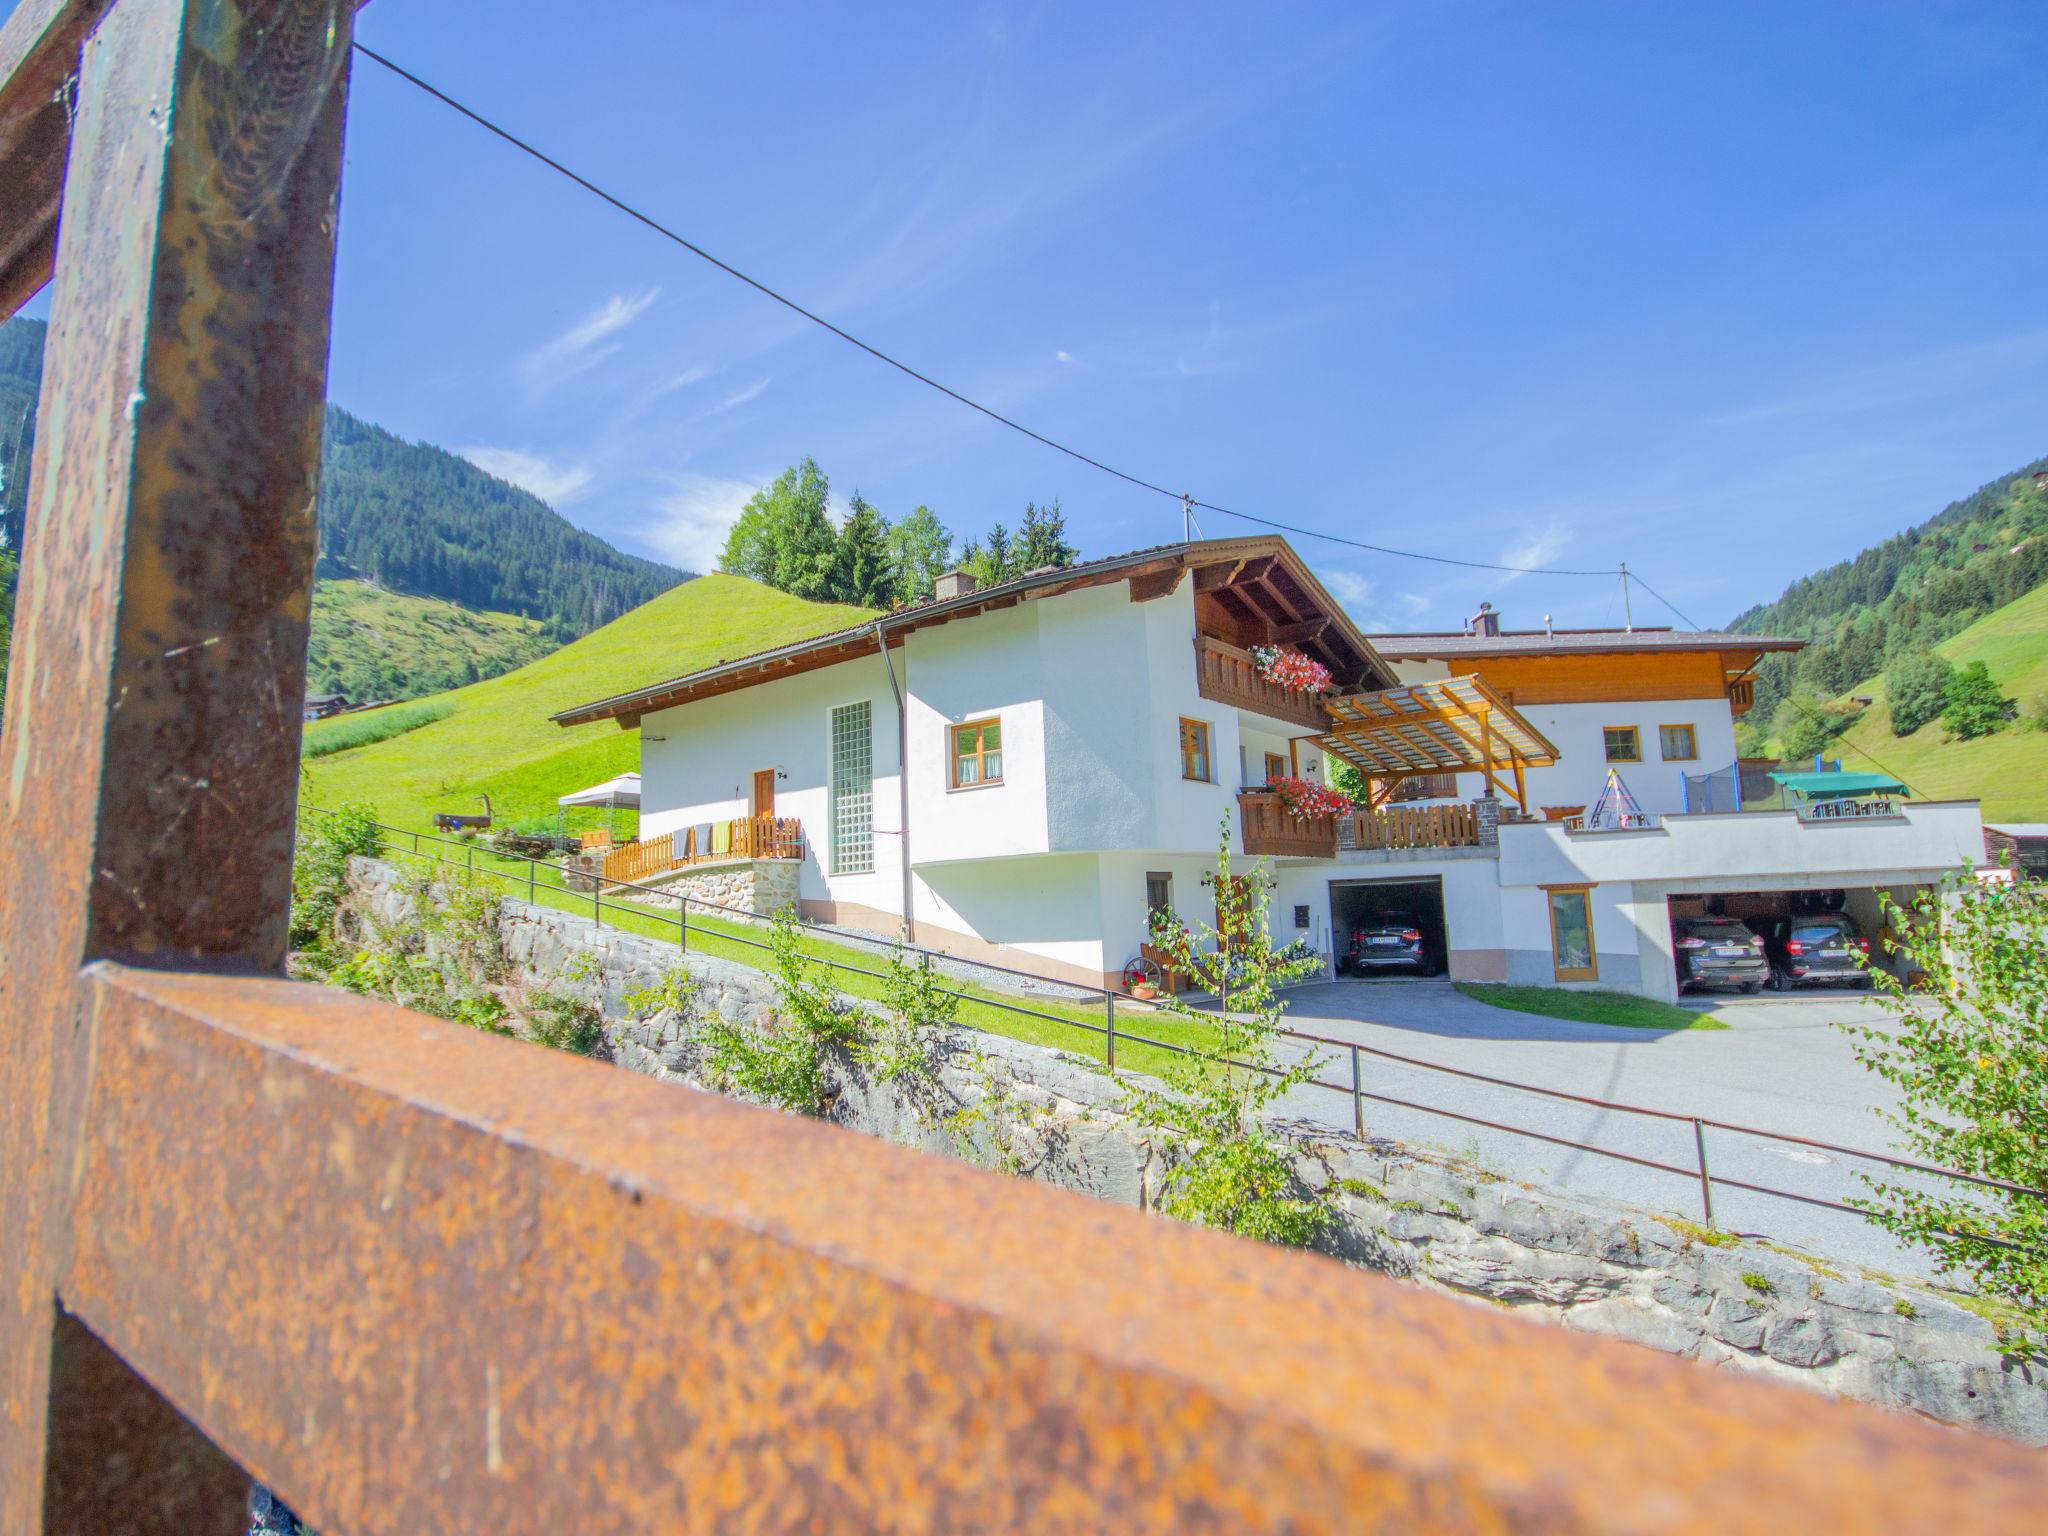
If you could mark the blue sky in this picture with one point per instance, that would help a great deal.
(1726, 291)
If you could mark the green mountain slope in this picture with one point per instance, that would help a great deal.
(2007, 771)
(1914, 589)
(418, 519)
(372, 644)
(498, 739)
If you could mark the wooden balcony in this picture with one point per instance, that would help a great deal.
(1741, 695)
(744, 837)
(1230, 676)
(1269, 829)
(1413, 826)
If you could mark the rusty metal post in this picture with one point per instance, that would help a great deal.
(1109, 1019)
(1699, 1141)
(159, 659)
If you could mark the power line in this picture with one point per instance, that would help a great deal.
(631, 212)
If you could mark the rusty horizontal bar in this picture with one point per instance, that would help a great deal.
(418, 1277)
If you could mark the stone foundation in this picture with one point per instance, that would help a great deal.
(1732, 1303)
(761, 887)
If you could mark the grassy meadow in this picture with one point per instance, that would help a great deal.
(2008, 771)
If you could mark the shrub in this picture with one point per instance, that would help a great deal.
(1230, 1172)
(320, 870)
(784, 1064)
(1913, 686)
(1972, 704)
(1760, 1284)
(1969, 1056)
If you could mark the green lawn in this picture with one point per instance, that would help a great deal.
(2007, 771)
(1595, 1007)
(497, 740)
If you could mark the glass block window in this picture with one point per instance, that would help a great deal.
(853, 789)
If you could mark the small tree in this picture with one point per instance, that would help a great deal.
(1913, 687)
(1970, 1058)
(1971, 704)
(861, 572)
(1231, 1173)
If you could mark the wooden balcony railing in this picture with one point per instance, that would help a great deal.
(1268, 829)
(743, 837)
(415, 1276)
(1230, 676)
(1741, 695)
(1415, 826)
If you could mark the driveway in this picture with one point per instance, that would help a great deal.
(1780, 1066)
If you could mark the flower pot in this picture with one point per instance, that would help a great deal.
(1144, 991)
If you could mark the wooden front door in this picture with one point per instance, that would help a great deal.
(764, 792)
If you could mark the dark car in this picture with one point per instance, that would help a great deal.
(1387, 941)
(1718, 952)
(1821, 949)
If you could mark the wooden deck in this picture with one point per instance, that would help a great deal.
(745, 837)
(1228, 675)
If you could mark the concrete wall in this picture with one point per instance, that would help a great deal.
(1426, 1220)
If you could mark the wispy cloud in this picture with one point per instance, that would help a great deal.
(554, 483)
(1349, 588)
(1536, 548)
(741, 396)
(588, 342)
(693, 517)
(1926, 376)
(1413, 602)
(678, 381)
(1064, 355)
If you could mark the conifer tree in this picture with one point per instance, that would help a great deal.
(862, 572)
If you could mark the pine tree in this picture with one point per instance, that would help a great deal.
(861, 572)
(1042, 541)
(992, 560)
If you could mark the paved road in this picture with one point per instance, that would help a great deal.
(1780, 1066)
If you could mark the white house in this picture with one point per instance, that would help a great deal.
(1077, 739)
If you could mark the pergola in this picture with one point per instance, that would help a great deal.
(1450, 725)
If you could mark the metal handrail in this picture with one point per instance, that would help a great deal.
(1354, 1090)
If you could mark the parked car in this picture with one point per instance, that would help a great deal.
(1821, 948)
(1718, 952)
(1387, 941)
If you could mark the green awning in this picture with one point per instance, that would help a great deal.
(1838, 786)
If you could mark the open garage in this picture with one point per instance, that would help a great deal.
(1794, 923)
(1357, 906)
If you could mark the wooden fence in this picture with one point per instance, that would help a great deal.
(743, 837)
(1416, 826)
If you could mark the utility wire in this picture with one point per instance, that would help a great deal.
(631, 212)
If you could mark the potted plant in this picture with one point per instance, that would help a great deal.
(1304, 799)
(1291, 669)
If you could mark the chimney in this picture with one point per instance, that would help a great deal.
(952, 584)
(1484, 622)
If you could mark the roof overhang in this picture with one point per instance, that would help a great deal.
(1448, 725)
(1273, 577)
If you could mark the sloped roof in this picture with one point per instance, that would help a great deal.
(1570, 642)
(1431, 727)
(1165, 563)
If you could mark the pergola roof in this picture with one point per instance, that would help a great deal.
(1449, 725)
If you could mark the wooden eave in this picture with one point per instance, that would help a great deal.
(1261, 579)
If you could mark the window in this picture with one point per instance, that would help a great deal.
(853, 789)
(1158, 895)
(1194, 751)
(1676, 743)
(977, 753)
(1276, 767)
(1624, 744)
(1571, 933)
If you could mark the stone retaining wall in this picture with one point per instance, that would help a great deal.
(1602, 1268)
(762, 887)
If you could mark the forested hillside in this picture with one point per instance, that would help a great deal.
(459, 576)
(408, 516)
(1885, 611)
(419, 519)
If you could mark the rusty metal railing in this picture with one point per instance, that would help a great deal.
(415, 1277)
